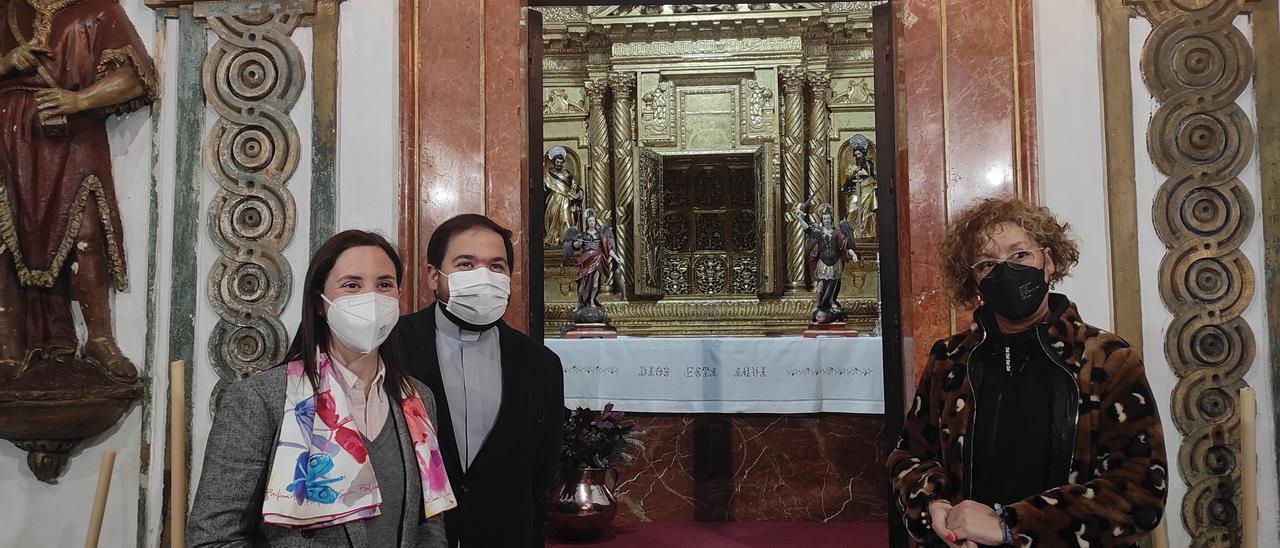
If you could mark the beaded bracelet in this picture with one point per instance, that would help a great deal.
(1004, 526)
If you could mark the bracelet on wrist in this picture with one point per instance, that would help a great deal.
(1005, 532)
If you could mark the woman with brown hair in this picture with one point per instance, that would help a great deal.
(1030, 428)
(335, 446)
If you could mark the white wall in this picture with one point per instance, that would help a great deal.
(1072, 182)
(368, 115)
(1072, 174)
(368, 167)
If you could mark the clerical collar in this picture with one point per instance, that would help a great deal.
(455, 328)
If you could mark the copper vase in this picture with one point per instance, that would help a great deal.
(583, 506)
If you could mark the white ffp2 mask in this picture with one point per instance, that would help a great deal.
(362, 321)
(479, 296)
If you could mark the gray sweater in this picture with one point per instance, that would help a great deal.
(227, 511)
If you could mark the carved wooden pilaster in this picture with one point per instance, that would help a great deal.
(623, 85)
(819, 148)
(253, 77)
(793, 184)
(1197, 63)
(599, 192)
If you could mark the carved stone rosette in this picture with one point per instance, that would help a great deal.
(623, 85)
(793, 184)
(253, 76)
(599, 194)
(1197, 64)
(819, 129)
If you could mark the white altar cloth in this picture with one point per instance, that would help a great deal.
(724, 375)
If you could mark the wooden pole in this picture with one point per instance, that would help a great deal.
(1249, 467)
(100, 500)
(177, 454)
(1160, 537)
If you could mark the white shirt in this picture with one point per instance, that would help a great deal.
(471, 368)
(370, 412)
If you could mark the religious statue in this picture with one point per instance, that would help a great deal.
(66, 66)
(564, 197)
(859, 189)
(826, 248)
(597, 259)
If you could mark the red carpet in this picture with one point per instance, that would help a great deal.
(740, 535)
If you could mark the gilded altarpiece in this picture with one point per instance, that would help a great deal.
(708, 112)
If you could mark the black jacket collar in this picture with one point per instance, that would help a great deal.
(444, 309)
(1056, 341)
(426, 367)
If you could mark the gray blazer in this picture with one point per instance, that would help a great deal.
(227, 511)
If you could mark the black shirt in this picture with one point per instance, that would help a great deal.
(1013, 437)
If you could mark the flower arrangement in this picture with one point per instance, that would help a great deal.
(597, 439)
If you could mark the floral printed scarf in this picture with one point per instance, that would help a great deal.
(321, 475)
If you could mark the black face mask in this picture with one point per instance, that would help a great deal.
(1014, 293)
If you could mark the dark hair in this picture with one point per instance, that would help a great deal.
(313, 329)
(459, 224)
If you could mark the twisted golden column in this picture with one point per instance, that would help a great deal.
(819, 148)
(599, 193)
(623, 85)
(793, 185)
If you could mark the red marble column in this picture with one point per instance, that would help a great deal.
(1026, 174)
(922, 172)
(506, 162)
(977, 101)
(462, 128)
(966, 104)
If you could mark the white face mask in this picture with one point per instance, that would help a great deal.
(479, 296)
(362, 321)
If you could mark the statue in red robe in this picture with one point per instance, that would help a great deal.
(65, 66)
(596, 260)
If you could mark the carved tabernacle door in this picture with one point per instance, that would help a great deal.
(650, 253)
(706, 225)
(767, 218)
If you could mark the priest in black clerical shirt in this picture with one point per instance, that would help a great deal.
(500, 394)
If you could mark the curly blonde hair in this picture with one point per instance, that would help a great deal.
(971, 230)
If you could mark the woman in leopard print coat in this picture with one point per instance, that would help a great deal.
(1098, 472)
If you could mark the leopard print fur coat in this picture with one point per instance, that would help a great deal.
(1117, 481)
